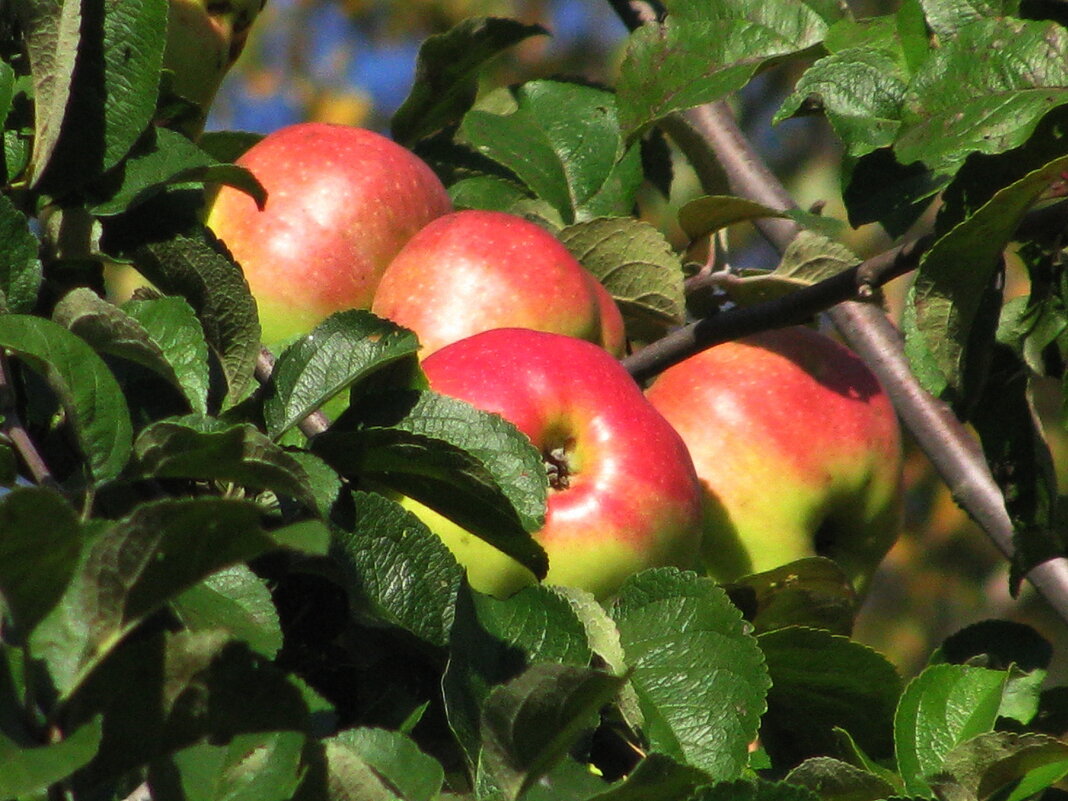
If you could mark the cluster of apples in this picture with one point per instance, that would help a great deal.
(737, 460)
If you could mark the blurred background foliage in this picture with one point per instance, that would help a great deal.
(352, 62)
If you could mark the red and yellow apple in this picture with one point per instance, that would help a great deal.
(623, 492)
(341, 202)
(471, 271)
(797, 447)
(204, 39)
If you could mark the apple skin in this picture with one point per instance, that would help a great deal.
(204, 39)
(631, 499)
(472, 270)
(798, 448)
(341, 202)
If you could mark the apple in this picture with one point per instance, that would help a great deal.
(623, 492)
(341, 202)
(473, 270)
(798, 449)
(204, 39)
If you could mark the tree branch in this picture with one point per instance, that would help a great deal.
(14, 430)
(711, 129)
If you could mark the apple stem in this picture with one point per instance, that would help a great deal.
(13, 429)
(711, 139)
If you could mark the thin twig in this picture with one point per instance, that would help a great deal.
(711, 129)
(316, 422)
(14, 430)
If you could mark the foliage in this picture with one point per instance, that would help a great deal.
(202, 592)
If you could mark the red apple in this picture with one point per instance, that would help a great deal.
(623, 494)
(471, 271)
(798, 449)
(341, 203)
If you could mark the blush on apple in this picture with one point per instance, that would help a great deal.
(623, 495)
(798, 449)
(341, 202)
(472, 270)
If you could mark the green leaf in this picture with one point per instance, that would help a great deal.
(20, 269)
(447, 72)
(945, 298)
(699, 674)
(563, 141)
(488, 192)
(861, 90)
(959, 104)
(709, 213)
(473, 467)
(342, 350)
(833, 780)
(760, 790)
(90, 395)
(263, 766)
(990, 762)
(530, 722)
(390, 757)
(942, 707)
(493, 640)
(638, 268)
(24, 771)
(809, 592)
(39, 552)
(397, 569)
(707, 53)
(137, 564)
(235, 600)
(808, 259)
(204, 448)
(947, 17)
(161, 159)
(93, 119)
(656, 776)
(174, 348)
(193, 265)
(821, 682)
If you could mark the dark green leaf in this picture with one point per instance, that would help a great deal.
(32, 770)
(392, 758)
(163, 158)
(204, 448)
(20, 269)
(986, 764)
(175, 343)
(447, 72)
(530, 722)
(942, 707)
(193, 265)
(809, 592)
(473, 467)
(91, 397)
(396, 568)
(833, 780)
(699, 674)
(39, 551)
(492, 641)
(659, 777)
(137, 564)
(636, 264)
(563, 141)
(93, 119)
(954, 274)
(342, 350)
(820, 682)
(759, 790)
